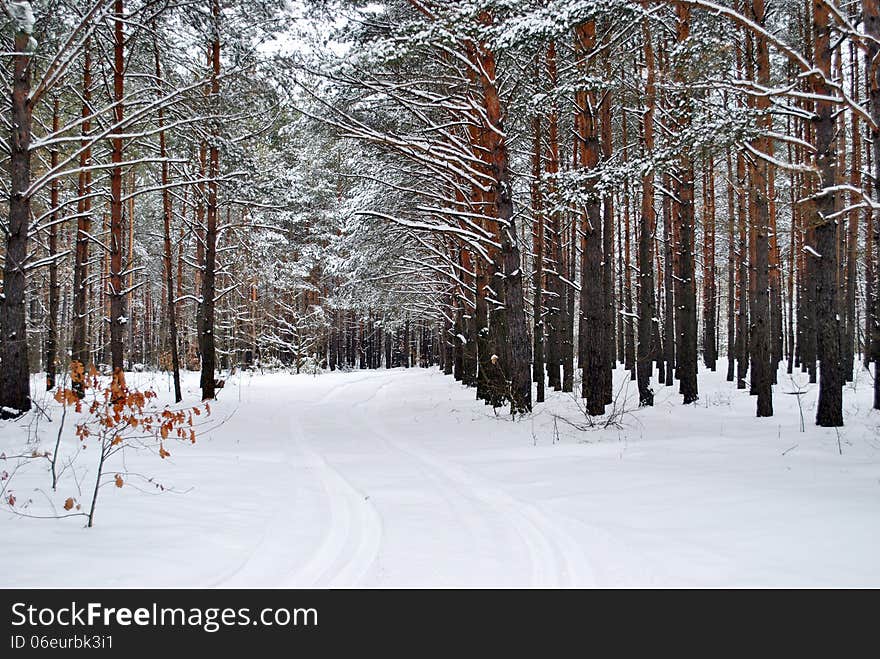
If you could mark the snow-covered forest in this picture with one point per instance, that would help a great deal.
(423, 292)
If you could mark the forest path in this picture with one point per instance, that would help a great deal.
(426, 486)
(411, 516)
(400, 478)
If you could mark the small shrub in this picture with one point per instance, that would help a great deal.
(117, 417)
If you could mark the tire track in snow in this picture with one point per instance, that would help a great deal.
(557, 558)
(479, 521)
(262, 562)
(334, 391)
(620, 562)
(351, 543)
(354, 536)
(480, 525)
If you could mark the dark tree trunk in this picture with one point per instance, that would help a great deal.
(15, 396)
(710, 351)
(792, 268)
(556, 311)
(570, 259)
(362, 345)
(118, 319)
(808, 303)
(742, 314)
(79, 343)
(669, 289)
(480, 339)
(852, 237)
(52, 336)
(569, 317)
(777, 343)
(516, 359)
(687, 331)
(646, 350)
(206, 310)
(497, 386)
(458, 348)
(871, 17)
(538, 255)
(760, 325)
(592, 338)
(829, 410)
(610, 321)
(731, 273)
(388, 354)
(629, 355)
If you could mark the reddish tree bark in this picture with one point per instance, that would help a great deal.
(171, 306)
(118, 319)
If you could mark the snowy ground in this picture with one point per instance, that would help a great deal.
(399, 478)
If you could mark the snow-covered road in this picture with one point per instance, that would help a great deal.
(398, 513)
(399, 478)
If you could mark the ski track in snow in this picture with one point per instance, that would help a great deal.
(354, 532)
(273, 549)
(556, 558)
(399, 478)
(478, 522)
(352, 541)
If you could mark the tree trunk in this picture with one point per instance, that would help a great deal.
(52, 337)
(79, 342)
(15, 396)
(166, 227)
(592, 338)
(206, 311)
(853, 226)
(646, 349)
(630, 339)
(731, 273)
(118, 319)
(517, 358)
(557, 288)
(829, 411)
(710, 353)
(569, 317)
(687, 332)
(871, 17)
(669, 290)
(760, 325)
(742, 314)
(538, 255)
(610, 329)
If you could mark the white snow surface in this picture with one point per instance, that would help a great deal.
(399, 478)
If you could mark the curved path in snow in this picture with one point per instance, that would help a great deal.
(400, 478)
(402, 514)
